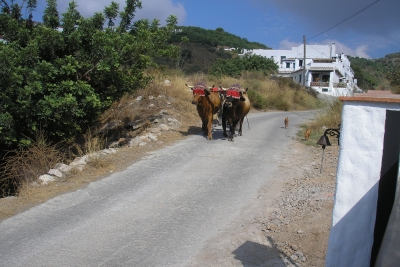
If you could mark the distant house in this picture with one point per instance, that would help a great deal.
(324, 71)
(2, 39)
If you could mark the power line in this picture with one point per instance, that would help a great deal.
(345, 19)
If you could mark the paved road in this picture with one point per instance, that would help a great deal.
(161, 211)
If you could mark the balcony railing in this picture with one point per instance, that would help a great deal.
(326, 84)
(320, 84)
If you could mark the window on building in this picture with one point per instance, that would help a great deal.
(294, 65)
(282, 58)
(300, 78)
(315, 77)
(325, 78)
(287, 65)
(300, 63)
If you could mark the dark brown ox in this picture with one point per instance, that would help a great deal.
(208, 102)
(236, 107)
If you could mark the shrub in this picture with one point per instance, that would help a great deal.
(26, 164)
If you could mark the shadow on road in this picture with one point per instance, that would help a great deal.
(253, 254)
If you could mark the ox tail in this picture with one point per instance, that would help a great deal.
(248, 124)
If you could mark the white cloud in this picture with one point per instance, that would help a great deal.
(151, 9)
(360, 51)
(287, 45)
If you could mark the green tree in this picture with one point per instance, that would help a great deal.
(60, 82)
(50, 15)
(234, 67)
(394, 78)
(128, 14)
(111, 12)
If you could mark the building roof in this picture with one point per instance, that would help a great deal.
(326, 60)
(322, 68)
(373, 96)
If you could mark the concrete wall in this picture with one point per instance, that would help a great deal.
(357, 182)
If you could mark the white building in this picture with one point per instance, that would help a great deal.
(325, 71)
(365, 229)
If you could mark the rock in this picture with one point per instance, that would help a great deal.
(134, 142)
(56, 173)
(164, 127)
(79, 163)
(46, 178)
(294, 257)
(64, 168)
(108, 151)
(172, 121)
(152, 137)
(299, 254)
(139, 98)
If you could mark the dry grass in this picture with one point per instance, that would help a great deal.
(27, 164)
(329, 117)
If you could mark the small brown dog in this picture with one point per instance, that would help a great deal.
(307, 134)
(286, 122)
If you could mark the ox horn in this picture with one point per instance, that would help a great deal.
(222, 88)
(191, 87)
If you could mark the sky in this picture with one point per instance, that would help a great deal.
(363, 28)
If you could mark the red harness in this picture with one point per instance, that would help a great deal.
(199, 91)
(233, 93)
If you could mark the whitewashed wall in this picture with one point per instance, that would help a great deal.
(358, 174)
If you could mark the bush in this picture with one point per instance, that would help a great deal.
(236, 66)
(25, 165)
(62, 81)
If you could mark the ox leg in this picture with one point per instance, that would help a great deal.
(204, 126)
(240, 126)
(224, 126)
(209, 127)
(232, 133)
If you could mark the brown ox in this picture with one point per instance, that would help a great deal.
(236, 107)
(208, 102)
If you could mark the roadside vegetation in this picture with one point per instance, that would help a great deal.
(328, 117)
(58, 88)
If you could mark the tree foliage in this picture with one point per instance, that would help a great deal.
(394, 79)
(370, 74)
(60, 81)
(215, 38)
(234, 67)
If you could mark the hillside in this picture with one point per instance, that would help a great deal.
(204, 47)
(214, 38)
(372, 73)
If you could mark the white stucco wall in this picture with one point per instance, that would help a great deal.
(358, 173)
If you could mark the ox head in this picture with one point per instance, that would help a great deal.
(199, 90)
(233, 94)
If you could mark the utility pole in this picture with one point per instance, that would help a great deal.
(304, 62)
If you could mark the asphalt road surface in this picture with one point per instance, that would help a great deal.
(162, 210)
